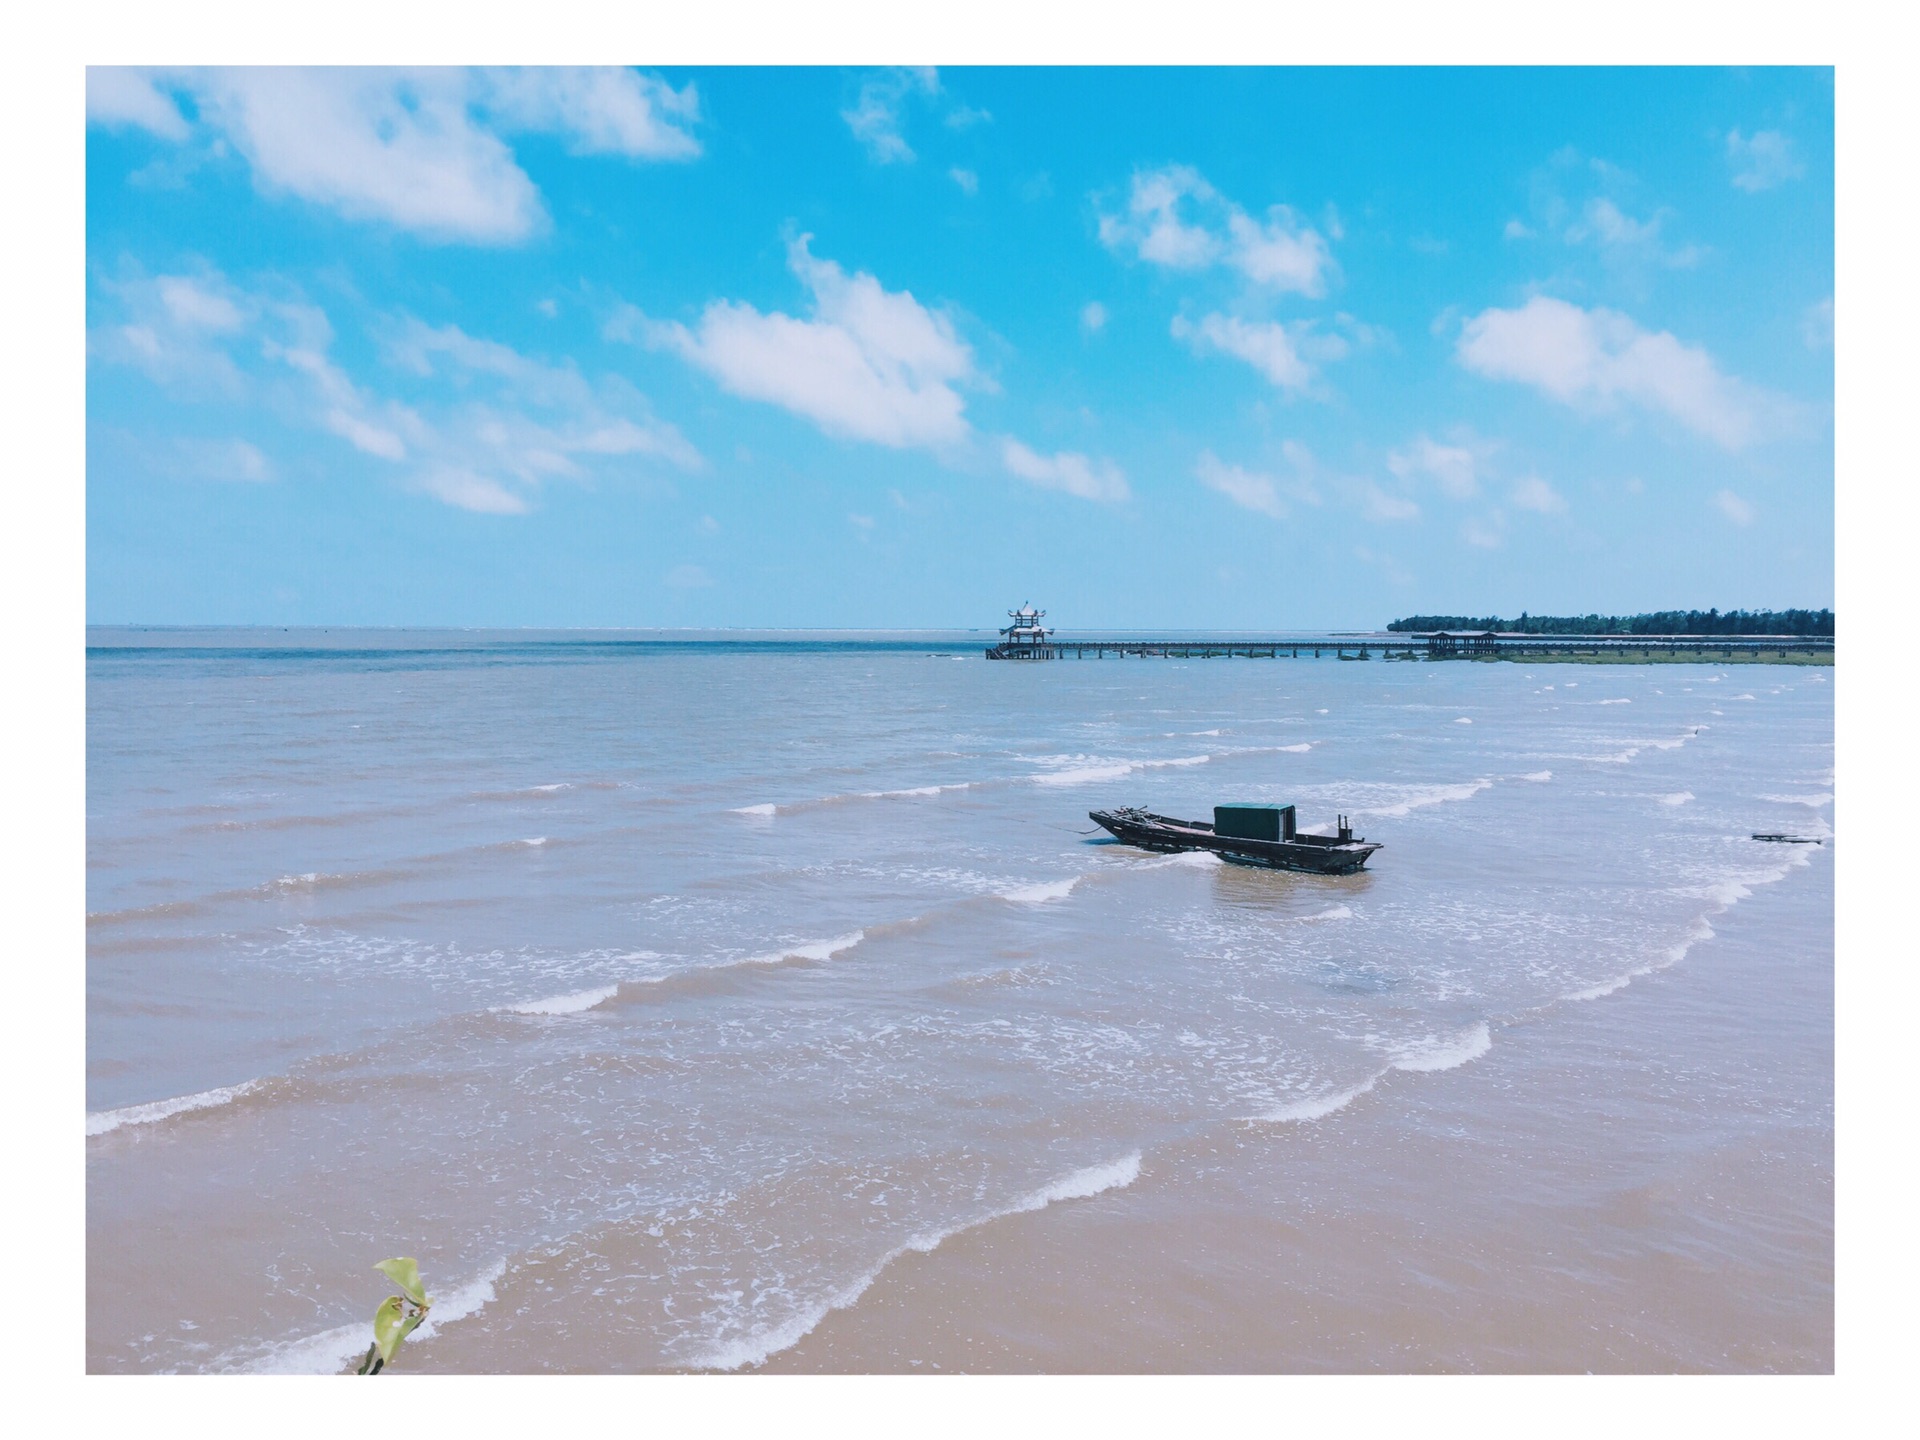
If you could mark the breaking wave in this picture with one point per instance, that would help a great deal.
(1041, 894)
(1432, 1054)
(332, 1351)
(560, 1004)
(101, 1122)
(757, 1348)
(1089, 773)
(1428, 795)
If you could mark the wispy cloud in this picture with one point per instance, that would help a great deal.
(878, 115)
(1530, 492)
(1762, 161)
(1599, 357)
(421, 150)
(231, 459)
(1073, 473)
(1255, 490)
(119, 97)
(1739, 511)
(867, 364)
(1268, 346)
(470, 421)
(1174, 218)
(1455, 468)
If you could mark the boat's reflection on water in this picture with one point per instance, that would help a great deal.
(1286, 893)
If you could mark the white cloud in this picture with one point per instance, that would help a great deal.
(173, 328)
(1533, 493)
(870, 364)
(601, 111)
(1597, 357)
(1075, 474)
(233, 459)
(1763, 161)
(876, 117)
(417, 149)
(1454, 467)
(968, 182)
(1623, 238)
(1174, 218)
(481, 426)
(194, 305)
(1269, 346)
(1739, 511)
(1515, 230)
(464, 490)
(1280, 252)
(1249, 489)
(1093, 316)
(1378, 504)
(117, 96)
(376, 145)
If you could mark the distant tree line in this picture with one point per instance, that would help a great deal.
(1659, 622)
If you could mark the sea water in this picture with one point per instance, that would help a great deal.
(663, 997)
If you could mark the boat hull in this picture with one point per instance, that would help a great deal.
(1309, 854)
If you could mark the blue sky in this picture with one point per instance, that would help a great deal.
(1262, 348)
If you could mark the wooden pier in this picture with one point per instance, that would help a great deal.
(1038, 644)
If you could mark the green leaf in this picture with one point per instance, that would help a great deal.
(406, 1274)
(387, 1323)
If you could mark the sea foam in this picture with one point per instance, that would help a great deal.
(101, 1122)
(561, 1004)
(331, 1351)
(755, 1349)
(1041, 894)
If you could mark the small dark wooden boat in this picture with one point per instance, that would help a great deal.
(1336, 854)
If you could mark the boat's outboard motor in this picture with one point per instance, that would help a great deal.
(1346, 830)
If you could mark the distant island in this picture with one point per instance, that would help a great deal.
(1659, 622)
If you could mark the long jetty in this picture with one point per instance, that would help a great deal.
(1435, 645)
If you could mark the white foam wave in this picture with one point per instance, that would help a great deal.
(1616, 702)
(535, 843)
(755, 809)
(549, 789)
(332, 1351)
(100, 1122)
(1743, 697)
(1446, 1054)
(1321, 1106)
(1430, 795)
(1538, 777)
(561, 1004)
(755, 1349)
(1112, 770)
(1816, 802)
(1299, 749)
(1191, 859)
(1332, 912)
(918, 790)
(1678, 797)
(1041, 894)
(812, 950)
(1462, 720)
